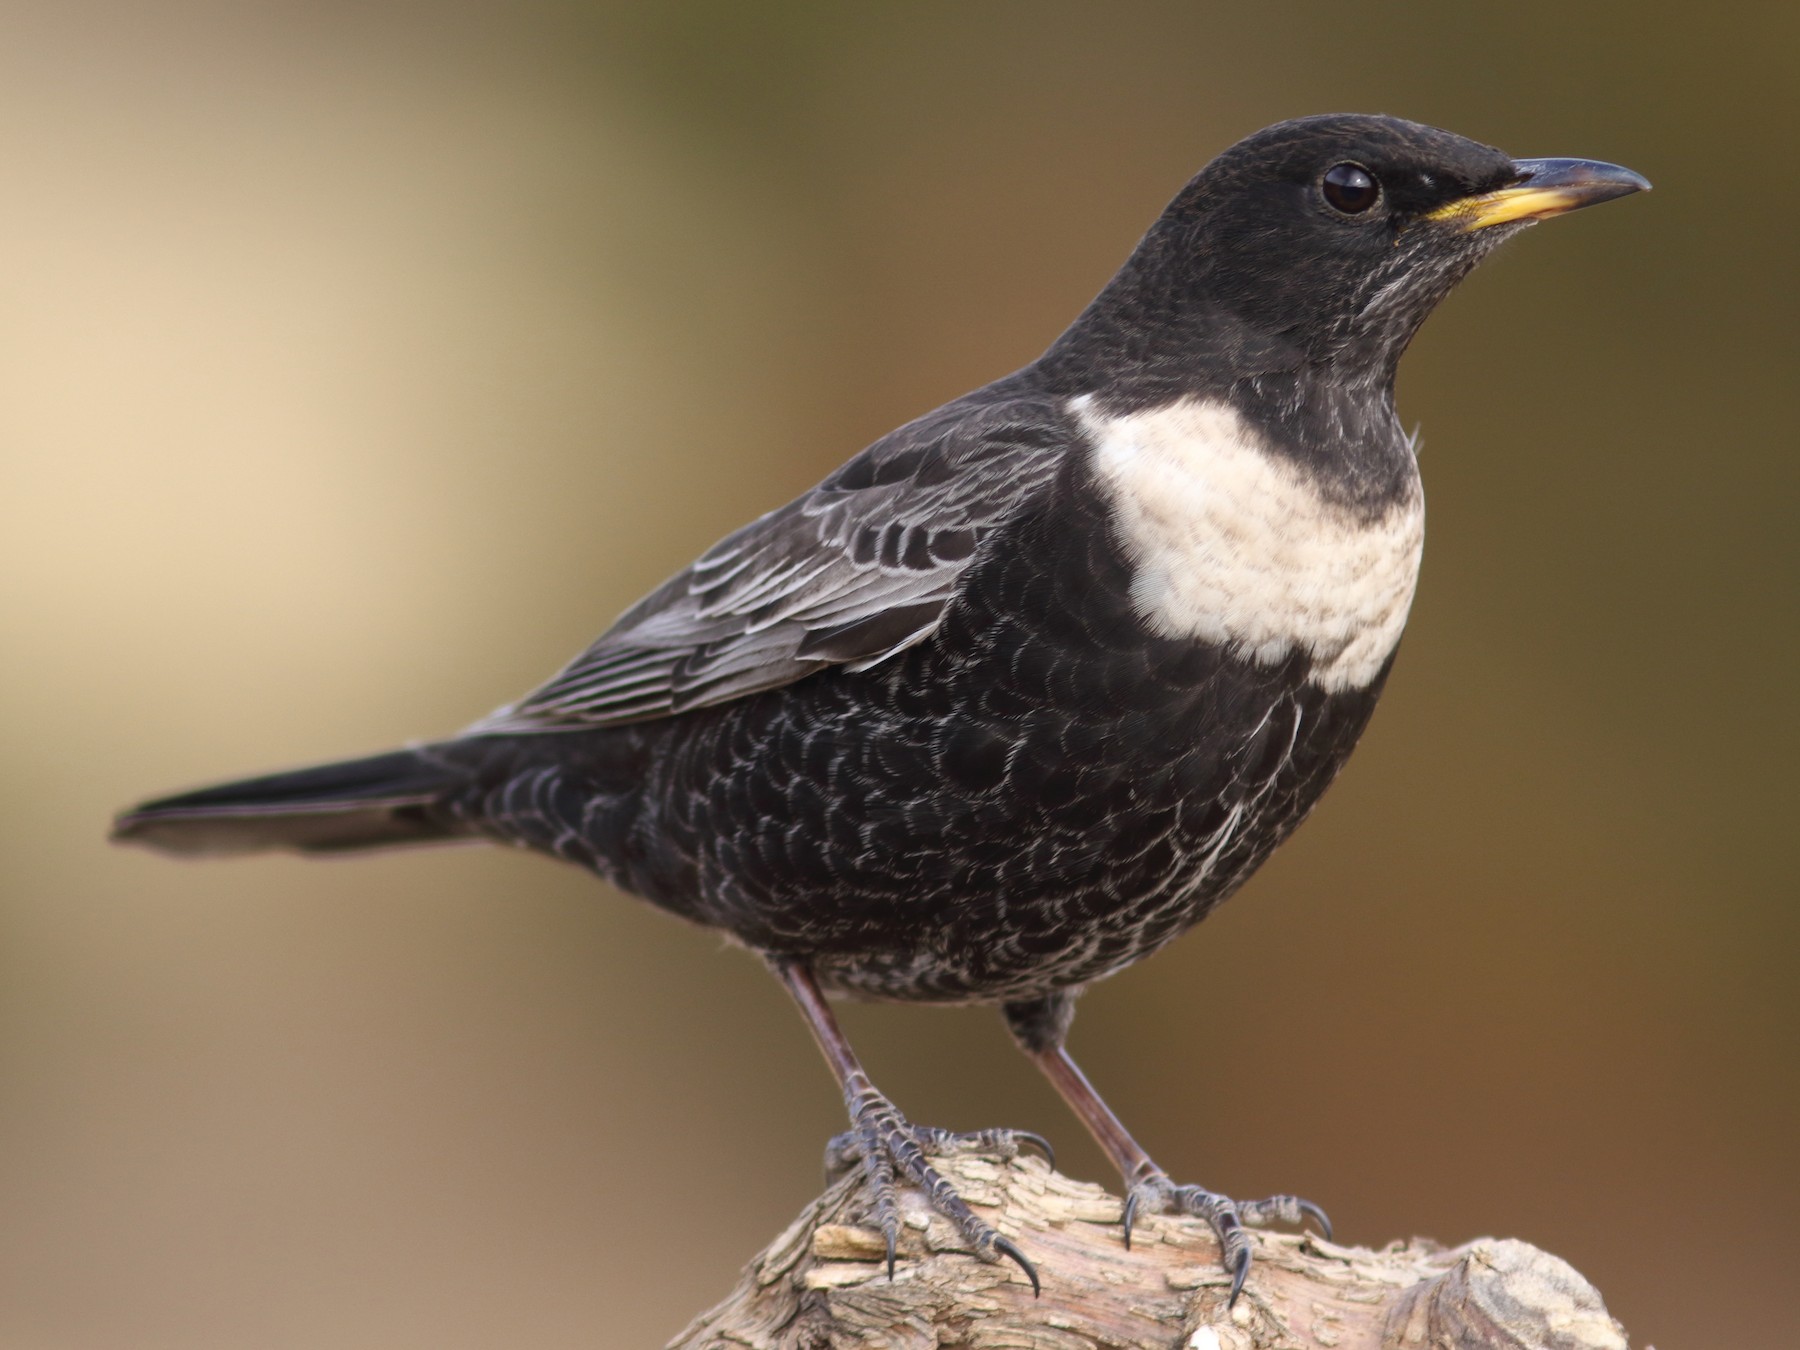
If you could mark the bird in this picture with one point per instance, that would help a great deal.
(1029, 685)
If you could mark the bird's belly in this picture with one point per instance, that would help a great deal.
(1031, 836)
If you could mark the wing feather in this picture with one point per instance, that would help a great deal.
(854, 571)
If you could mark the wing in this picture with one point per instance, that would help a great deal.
(852, 572)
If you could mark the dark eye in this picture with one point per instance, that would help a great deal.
(1351, 188)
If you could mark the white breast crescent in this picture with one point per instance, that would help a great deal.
(1232, 544)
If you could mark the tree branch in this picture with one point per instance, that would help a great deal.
(823, 1283)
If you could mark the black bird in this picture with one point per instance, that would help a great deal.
(1028, 686)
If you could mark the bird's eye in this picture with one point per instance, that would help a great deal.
(1350, 188)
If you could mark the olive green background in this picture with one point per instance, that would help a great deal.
(358, 363)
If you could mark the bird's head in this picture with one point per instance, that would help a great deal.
(1325, 241)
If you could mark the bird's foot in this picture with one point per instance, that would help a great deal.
(890, 1149)
(1229, 1219)
(846, 1150)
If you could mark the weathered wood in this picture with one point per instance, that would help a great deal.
(823, 1284)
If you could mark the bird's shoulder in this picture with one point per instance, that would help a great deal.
(851, 572)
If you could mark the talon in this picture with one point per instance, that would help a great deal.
(1240, 1271)
(892, 1150)
(1005, 1143)
(1041, 1144)
(1006, 1247)
(1318, 1216)
(1130, 1214)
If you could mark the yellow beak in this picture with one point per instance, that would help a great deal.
(1544, 188)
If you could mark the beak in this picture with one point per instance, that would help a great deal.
(1544, 188)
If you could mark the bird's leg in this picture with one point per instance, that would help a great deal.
(1040, 1027)
(888, 1146)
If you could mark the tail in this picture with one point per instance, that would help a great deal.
(379, 802)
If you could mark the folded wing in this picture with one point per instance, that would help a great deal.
(857, 569)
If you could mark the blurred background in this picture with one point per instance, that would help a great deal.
(358, 363)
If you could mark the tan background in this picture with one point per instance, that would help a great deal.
(358, 363)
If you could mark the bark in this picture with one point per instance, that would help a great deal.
(823, 1284)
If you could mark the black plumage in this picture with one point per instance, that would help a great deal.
(1024, 689)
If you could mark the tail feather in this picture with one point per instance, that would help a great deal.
(379, 802)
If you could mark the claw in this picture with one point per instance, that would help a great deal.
(1041, 1144)
(1230, 1220)
(1239, 1273)
(1006, 1143)
(1318, 1216)
(1006, 1248)
(891, 1150)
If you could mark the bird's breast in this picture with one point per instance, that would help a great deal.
(1233, 544)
